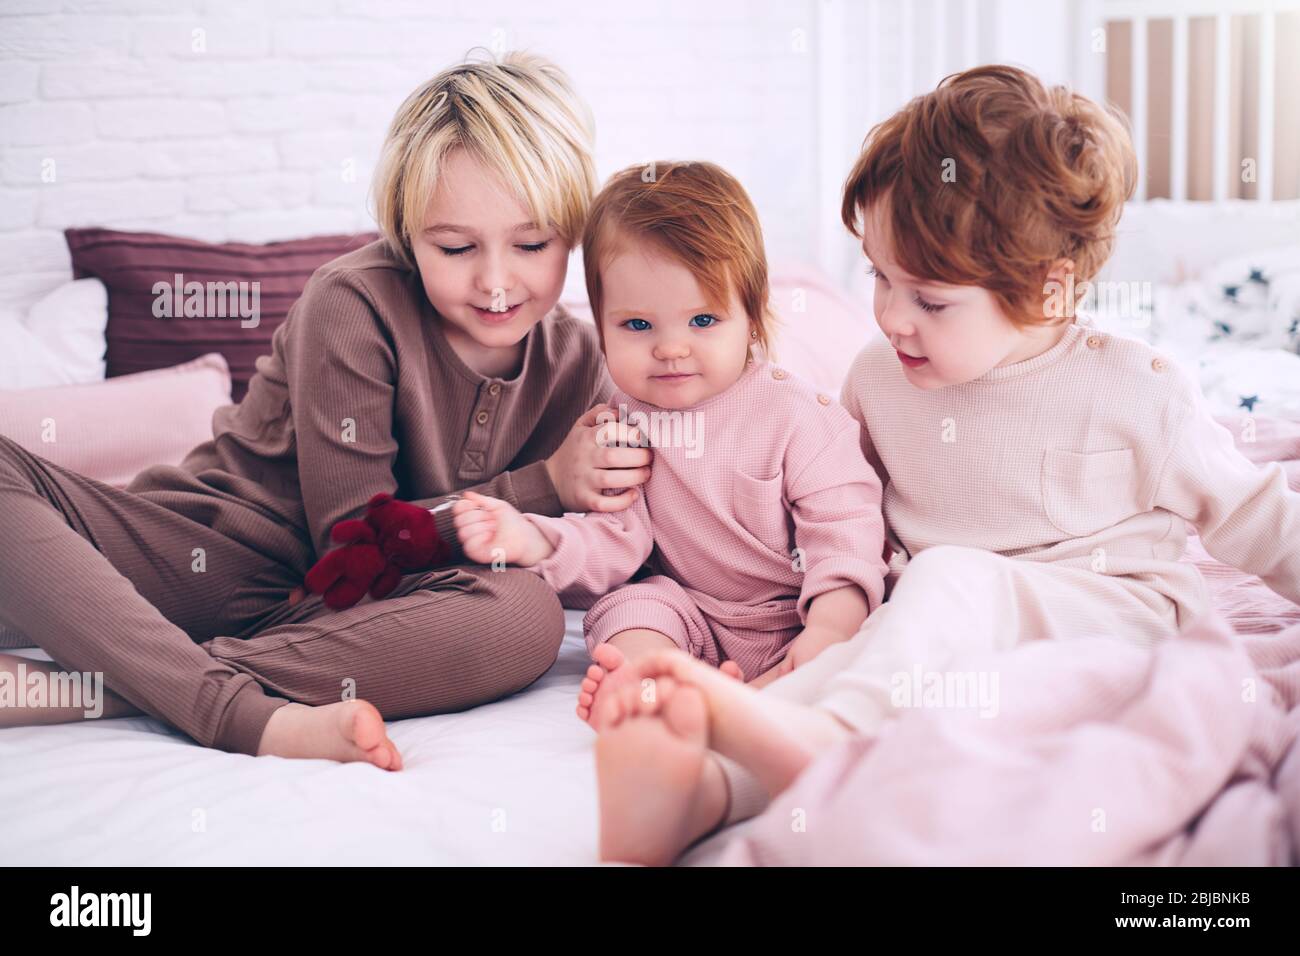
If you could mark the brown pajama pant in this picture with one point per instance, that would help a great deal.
(110, 581)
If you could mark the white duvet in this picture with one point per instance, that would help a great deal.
(509, 783)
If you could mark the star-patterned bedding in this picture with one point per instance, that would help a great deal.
(1237, 324)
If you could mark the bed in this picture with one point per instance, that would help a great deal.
(510, 783)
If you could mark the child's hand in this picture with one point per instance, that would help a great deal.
(591, 460)
(810, 642)
(492, 530)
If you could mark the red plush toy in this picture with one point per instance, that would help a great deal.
(395, 538)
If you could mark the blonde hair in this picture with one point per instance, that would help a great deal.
(518, 115)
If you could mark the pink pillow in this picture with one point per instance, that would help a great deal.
(821, 330)
(114, 429)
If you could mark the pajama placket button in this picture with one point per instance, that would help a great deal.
(824, 399)
(1158, 364)
(1094, 341)
(494, 389)
(481, 418)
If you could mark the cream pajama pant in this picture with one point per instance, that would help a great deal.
(948, 603)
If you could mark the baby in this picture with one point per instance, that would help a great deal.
(761, 519)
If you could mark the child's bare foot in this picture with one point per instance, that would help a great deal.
(601, 679)
(610, 659)
(774, 738)
(351, 730)
(659, 789)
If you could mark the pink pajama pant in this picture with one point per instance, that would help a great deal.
(754, 636)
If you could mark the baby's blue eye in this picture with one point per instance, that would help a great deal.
(635, 327)
(708, 320)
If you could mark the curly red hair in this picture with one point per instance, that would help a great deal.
(993, 178)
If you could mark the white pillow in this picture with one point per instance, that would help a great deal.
(1166, 241)
(59, 342)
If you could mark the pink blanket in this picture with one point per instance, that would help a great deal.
(1101, 753)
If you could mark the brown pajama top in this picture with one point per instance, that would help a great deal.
(363, 393)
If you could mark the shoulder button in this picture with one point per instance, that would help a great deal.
(1158, 364)
(779, 373)
(824, 399)
(1094, 341)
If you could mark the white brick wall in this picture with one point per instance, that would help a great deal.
(110, 116)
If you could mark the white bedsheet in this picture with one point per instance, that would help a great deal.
(509, 783)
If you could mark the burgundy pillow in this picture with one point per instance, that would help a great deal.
(154, 321)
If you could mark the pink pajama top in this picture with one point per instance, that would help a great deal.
(759, 500)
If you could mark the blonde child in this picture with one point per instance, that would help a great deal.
(761, 517)
(430, 361)
(1039, 475)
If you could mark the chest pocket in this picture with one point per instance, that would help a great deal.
(1086, 492)
(761, 511)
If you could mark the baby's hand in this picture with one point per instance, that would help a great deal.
(810, 642)
(492, 530)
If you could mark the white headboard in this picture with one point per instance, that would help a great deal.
(1199, 80)
(1212, 90)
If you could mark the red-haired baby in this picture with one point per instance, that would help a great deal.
(761, 520)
